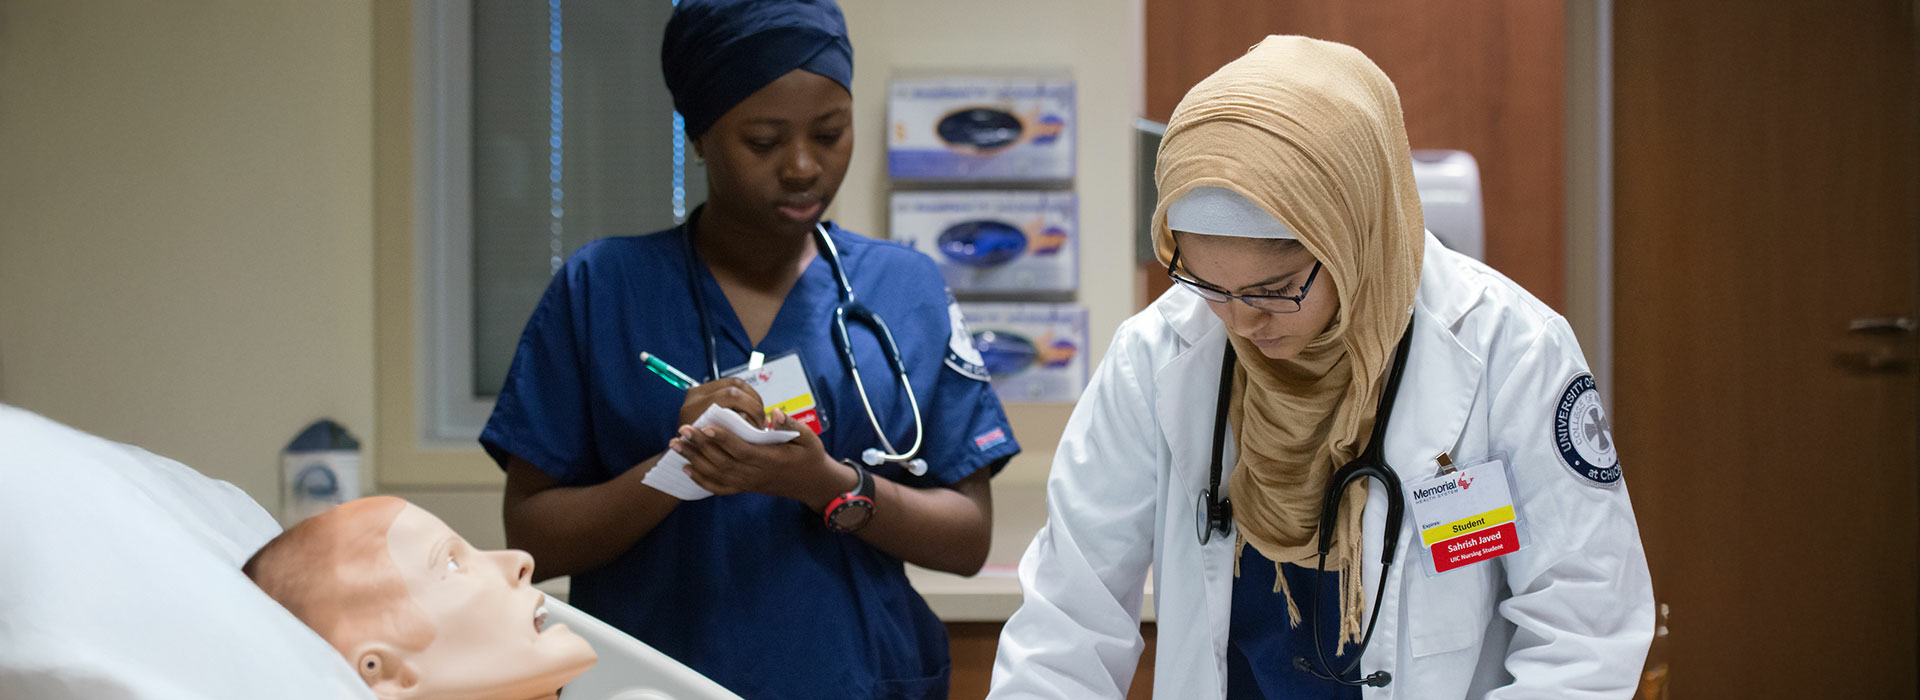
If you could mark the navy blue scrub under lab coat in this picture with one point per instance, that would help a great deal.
(1262, 643)
(752, 591)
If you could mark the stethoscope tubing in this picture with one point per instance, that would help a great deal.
(1371, 464)
(848, 308)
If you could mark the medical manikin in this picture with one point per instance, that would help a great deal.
(419, 613)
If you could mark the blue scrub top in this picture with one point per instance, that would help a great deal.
(1261, 644)
(752, 591)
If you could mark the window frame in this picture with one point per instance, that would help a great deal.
(448, 411)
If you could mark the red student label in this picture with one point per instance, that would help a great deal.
(1473, 547)
(809, 418)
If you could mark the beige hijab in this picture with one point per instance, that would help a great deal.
(1310, 131)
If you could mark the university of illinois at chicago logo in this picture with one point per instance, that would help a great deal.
(1583, 436)
(961, 355)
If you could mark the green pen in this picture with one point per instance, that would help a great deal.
(677, 378)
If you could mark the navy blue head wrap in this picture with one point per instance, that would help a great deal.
(719, 52)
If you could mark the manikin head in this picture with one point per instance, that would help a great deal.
(419, 613)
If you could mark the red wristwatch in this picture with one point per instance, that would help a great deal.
(852, 510)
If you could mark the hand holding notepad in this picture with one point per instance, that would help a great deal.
(669, 474)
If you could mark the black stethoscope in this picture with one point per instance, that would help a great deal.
(848, 308)
(1217, 515)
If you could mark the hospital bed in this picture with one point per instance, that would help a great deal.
(629, 669)
(120, 578)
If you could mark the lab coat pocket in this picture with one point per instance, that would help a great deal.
(1448, 612)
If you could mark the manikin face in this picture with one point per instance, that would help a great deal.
(1239, 265)
(486, 615)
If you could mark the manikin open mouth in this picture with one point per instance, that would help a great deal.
(540, 616)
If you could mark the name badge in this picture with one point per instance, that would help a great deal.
(783, 383)
(1467, 516)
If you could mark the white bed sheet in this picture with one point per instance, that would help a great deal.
(120, 578)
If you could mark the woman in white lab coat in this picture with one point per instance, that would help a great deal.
(1289, 217)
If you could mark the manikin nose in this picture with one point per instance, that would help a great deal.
(519, 566)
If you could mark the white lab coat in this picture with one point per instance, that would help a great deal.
(1569, 616)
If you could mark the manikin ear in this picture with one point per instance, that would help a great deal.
(386, 671)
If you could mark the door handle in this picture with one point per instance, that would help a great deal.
(1882, 325)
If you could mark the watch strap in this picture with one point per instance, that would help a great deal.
(860, 497)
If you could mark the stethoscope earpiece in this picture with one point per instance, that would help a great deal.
(873, 457)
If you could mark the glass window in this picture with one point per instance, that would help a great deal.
(546, 125)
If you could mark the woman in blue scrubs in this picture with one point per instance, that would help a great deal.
(754, 587)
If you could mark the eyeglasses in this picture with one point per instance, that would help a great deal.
(1270, 303)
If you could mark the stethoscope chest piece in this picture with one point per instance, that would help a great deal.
(1212, 516)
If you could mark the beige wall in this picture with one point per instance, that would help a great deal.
(1099, 43)
(1097, 40)
(186, 224)
(188, 199)
(188, 195)
(1589, 172)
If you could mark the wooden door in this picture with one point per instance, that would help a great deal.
(1765, 204)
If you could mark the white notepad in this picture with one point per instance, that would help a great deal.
(669, 475)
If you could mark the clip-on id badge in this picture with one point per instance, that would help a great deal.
(1467, 515)
(783, 383)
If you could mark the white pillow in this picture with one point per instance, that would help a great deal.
(120, 577)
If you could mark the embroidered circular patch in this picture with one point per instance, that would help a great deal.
(962, 356)
(1583, 436)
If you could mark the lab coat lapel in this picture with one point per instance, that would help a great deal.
(1188, 390)
(1187, 398)
(1430, 411)
(1436, 396)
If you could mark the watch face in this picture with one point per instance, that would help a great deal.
(852, 515)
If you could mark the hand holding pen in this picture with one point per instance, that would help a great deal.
(729, 392)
